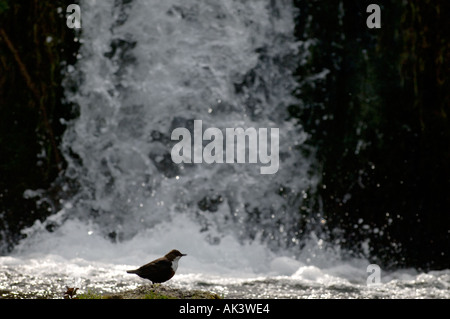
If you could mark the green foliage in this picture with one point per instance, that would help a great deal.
(89, 295)
(155, 295)
(4, 6)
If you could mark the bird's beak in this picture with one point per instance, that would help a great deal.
(183, 254)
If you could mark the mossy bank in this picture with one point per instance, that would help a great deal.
(152, 292)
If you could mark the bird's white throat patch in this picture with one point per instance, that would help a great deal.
(175, 263)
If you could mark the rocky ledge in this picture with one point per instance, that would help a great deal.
(152, 292)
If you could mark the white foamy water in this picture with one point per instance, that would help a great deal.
(76, 255)
(145, 68)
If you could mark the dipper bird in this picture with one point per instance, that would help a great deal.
(161, 269)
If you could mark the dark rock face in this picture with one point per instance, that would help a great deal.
(36, 47)
(380, 122)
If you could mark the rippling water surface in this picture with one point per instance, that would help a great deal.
(47, 278)
(91, 263)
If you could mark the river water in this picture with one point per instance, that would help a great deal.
(77, 256)
(144, 69)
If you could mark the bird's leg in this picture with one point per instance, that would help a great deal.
(155, 285)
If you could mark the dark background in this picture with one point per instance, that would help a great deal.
(379, 122)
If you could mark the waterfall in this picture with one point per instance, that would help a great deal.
(148, 67)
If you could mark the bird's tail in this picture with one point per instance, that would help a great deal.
(132, 271)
